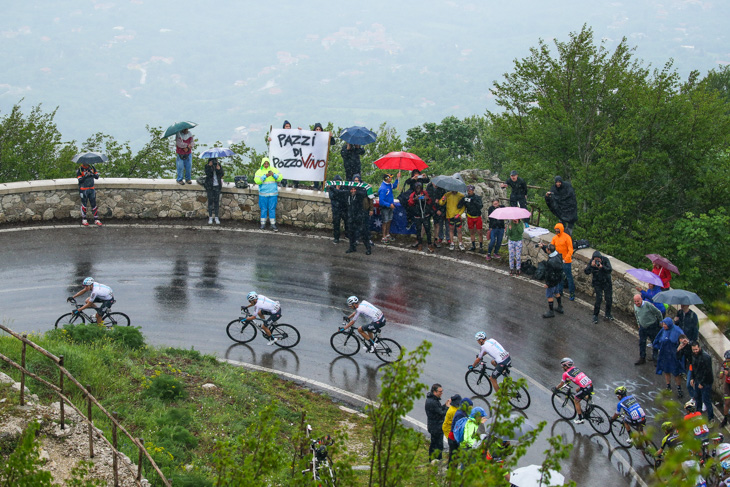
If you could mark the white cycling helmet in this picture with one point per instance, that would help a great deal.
(722, 453)
(88, 281)
(252, 296)
(480, 336)
(352, 300)
(566, 361)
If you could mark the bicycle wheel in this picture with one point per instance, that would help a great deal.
(563, 405)
(599, 419)
(240, 331)
(648, 451)
(477, 380)
(619, 433)
(117, 319)
(345, 343)
(521, 399)
(287, 336)
(70, 319)
(387, 350)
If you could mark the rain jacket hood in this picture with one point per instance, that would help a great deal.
(563, 243)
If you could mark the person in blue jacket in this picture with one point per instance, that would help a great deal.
(666, 342)
(387, 204)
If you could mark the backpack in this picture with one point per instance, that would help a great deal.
(528, 267)
(581, 244)
(541, 271)
(458, 429)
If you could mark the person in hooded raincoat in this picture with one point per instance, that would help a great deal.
(562, 202)
(267, 177)
(666, 342)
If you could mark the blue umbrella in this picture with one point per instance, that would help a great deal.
(217, 152)
(358, 136)
(90, 158)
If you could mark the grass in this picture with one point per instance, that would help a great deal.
(159, 397)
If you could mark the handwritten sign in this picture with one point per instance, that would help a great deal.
(300, 155)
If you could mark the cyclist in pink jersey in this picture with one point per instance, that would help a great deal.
(573, 374)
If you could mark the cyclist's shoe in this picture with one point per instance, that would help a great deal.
(273, 340)
(367, 349)
(629, 440)
(578, 420)
(85, 222)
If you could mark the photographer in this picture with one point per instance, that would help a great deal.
(600, 268)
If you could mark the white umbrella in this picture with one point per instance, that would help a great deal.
(530, 476)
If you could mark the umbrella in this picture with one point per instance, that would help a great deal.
(177, 127)
(645, 276)
(677, 296)
(530, 476)
(217, 152)
(90, 158)
(510, 213)
(358, 136)
(402, 161)
(663, 261)
(449, 183)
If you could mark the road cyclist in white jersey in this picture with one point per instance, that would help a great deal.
(376, 317)
(100, 293)
(500, 358)
(265, 309)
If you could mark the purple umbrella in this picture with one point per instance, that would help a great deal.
(510, 213)
(645, 276)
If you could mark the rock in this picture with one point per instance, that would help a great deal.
(6, 379)
(209, 386)
(16, 387)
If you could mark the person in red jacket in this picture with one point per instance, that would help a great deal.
(422, 208)
(664, 274)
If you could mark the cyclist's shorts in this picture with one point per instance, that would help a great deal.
(584, 392)
(374, 326)
(474, 222)
(501, 367)
(106, 305)
(726, 390)
(636, 423)
(455, 221)
(272, 317)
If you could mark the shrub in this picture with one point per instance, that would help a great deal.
(166, 387)
(125, 336)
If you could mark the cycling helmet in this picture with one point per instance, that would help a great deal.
(252, 296)
(727, 354)
(480, 336)
(722, 453)
(566, 361)
(88, 281)
(352, 300)
(690, 406)
(667, 427)
(620, 391)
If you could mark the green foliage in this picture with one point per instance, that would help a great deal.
(156, 159)
(23, 467)
(79, 474)
(166, 387)
(125, 336)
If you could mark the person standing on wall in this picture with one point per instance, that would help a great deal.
(267, 177)
(184, 144)
(518, 193)
(213, 186)
(562, 202)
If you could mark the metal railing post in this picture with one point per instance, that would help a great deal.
(141, 459)
(22, 374)
(60, 402)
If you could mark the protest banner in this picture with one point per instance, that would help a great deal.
(300, 155)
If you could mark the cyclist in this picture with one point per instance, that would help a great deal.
(371, 312)
(500, 357)
(670, 440)
(633, 414)
(722, 455)
(576, 376)
(100, 293)
(699, 427)
(266, 309)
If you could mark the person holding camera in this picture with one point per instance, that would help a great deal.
(599, 268)
(213, 186)
(422, 206)
(267, 177)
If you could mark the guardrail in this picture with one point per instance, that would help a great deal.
(90, 400)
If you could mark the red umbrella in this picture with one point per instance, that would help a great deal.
(404, 161)
(663, 262)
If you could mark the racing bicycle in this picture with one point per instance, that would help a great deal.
(477, 380)
(321, 465)
(243, 331)
(638, 438)
(347, 343)
(77, 317)
(563, 404)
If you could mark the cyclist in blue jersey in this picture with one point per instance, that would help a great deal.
(376, 317)
(633, 414)
(100, 294)
(265, 309)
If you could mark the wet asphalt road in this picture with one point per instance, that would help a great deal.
(183, 285)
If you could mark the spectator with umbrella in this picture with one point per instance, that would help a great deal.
(355, 137)
(452, 203)
(422, 204)
(439, 218)
(495, 232)
(214, 180)
(654, 284)
(86, 175)
(515, 229)
(666, 343)
(663, 268)
(648, 318)
(562, 202)
(267, 177)
(184, 144)
(687, 320)
(386, 200)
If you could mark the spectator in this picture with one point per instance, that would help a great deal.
(351, 159)
(387, 204)
(561, 201)
(515, 229)
(454, 208)
(435, 414)
(87, 176)
(648, 295)
(266, 177)
(600, 268)
(553, 280)
(439, 218)
(421, 202)
(564, 244)
(648, 319)
(496, 232)
(471, 434)
(667, 342)
(416, 177)
(318, 128)
(359, 209)
(184, 145)
(684, 355)
(285, 182)
(664, 274)
(449, 419)
(338, 199)
(518, 192)
(473, 205)
(725, 377)
(687, 320)
(213, 185)
(463, 411)
(702, 378)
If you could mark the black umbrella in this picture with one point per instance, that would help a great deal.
(90, 158)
